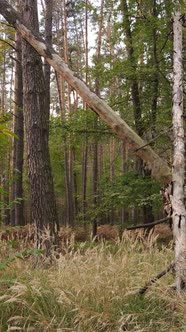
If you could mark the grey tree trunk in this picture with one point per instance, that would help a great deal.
(160, 169)
(178, 205)
(43, 206)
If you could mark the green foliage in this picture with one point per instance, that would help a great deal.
(70, 134)
(5, 134)
(126, 191)
(129, 191)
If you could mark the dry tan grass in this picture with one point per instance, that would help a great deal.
(25, 236)
(92, 289)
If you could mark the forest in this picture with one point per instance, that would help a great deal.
(92, 165)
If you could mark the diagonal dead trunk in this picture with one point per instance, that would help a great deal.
(159, 167)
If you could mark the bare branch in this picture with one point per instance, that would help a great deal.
(166, 40)
(166, 79)
(155, 138)
(6, 42)
(152, 224)
(13, 58)
(157, 277)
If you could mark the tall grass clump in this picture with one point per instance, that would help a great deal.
(90, 289)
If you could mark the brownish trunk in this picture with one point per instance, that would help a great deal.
(48, 39)
(155, 84)
(95, 143)
(69, 159)
(43, 206)
(85, 139)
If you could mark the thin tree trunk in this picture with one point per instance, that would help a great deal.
(17, 210)
(134, 82)
(95, 143)
(112, 172)
(70, 160)
(124, 169)
(84, 179)
(147, 209)
(178, 205)
(155, 84)
(135, 95)
(48, 39)
(61, 93)
(85, 139)
(5, 162)
(6, 176)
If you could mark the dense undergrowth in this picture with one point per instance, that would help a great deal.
(90, 288)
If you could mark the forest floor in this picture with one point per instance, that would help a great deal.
(90, 287)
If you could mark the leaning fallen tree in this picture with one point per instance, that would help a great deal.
(159, 168)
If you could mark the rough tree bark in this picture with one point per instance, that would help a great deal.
(160, 169)
(43, 206)
(178, 205)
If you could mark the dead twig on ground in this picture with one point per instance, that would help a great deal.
(142, 290)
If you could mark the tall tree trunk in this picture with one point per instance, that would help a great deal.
(6, 181)
(5, 159)
(160, 169)
(17, 210)
(147, 210)
(155, 84)
(69, 158)
(95, 143)
(113, 88)
(134, 82)
(61, 93)
(112, 172)
(124, 169)
(85, 139)
(178, 205)
(43, 205)
(48, 39)
(84, 179)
